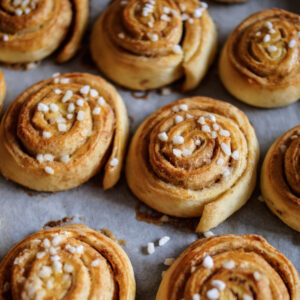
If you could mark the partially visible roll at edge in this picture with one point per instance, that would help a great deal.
(71, 262)
(280, 178)
(230, 266)
(32, 32)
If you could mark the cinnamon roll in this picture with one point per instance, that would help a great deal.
(280, 178)
(196, 157)
(69, 262)
(230, 267)
(62, 131)
(146, 44)
(2, 90)
(260, 62)
(31, 30)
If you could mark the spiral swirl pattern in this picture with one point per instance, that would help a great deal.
(230, 267)
(263, 51)
(138, 41)
(194, 157)
(280, 178)
(31, 30)
(164, 40)
(70, 262)
(61, 131)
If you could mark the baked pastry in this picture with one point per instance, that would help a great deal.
(280, 178)
(69, 262)
(260, 62)
(32, 30)
(196, 157)
(230, 267)
(62, 131)
(2, 90)
(148, 44)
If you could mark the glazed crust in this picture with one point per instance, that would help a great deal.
(247, 265)
(280, 178)
(69, 262)
(200, 180)
(259, 63)
(46, 26)
(137, 61)
(2, 90)
(85, 132)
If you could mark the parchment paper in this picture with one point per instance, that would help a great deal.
(21, 214)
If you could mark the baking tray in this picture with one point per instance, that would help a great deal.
(24, 212)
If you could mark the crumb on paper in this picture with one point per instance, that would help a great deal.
(56, 223)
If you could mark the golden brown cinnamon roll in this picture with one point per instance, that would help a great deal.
(231, 267)
(31, 30)
(196, 157)
(2, 90)
(69, 262)
(146, 44)
(280, 178)
(61, 131)
(260, 62)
